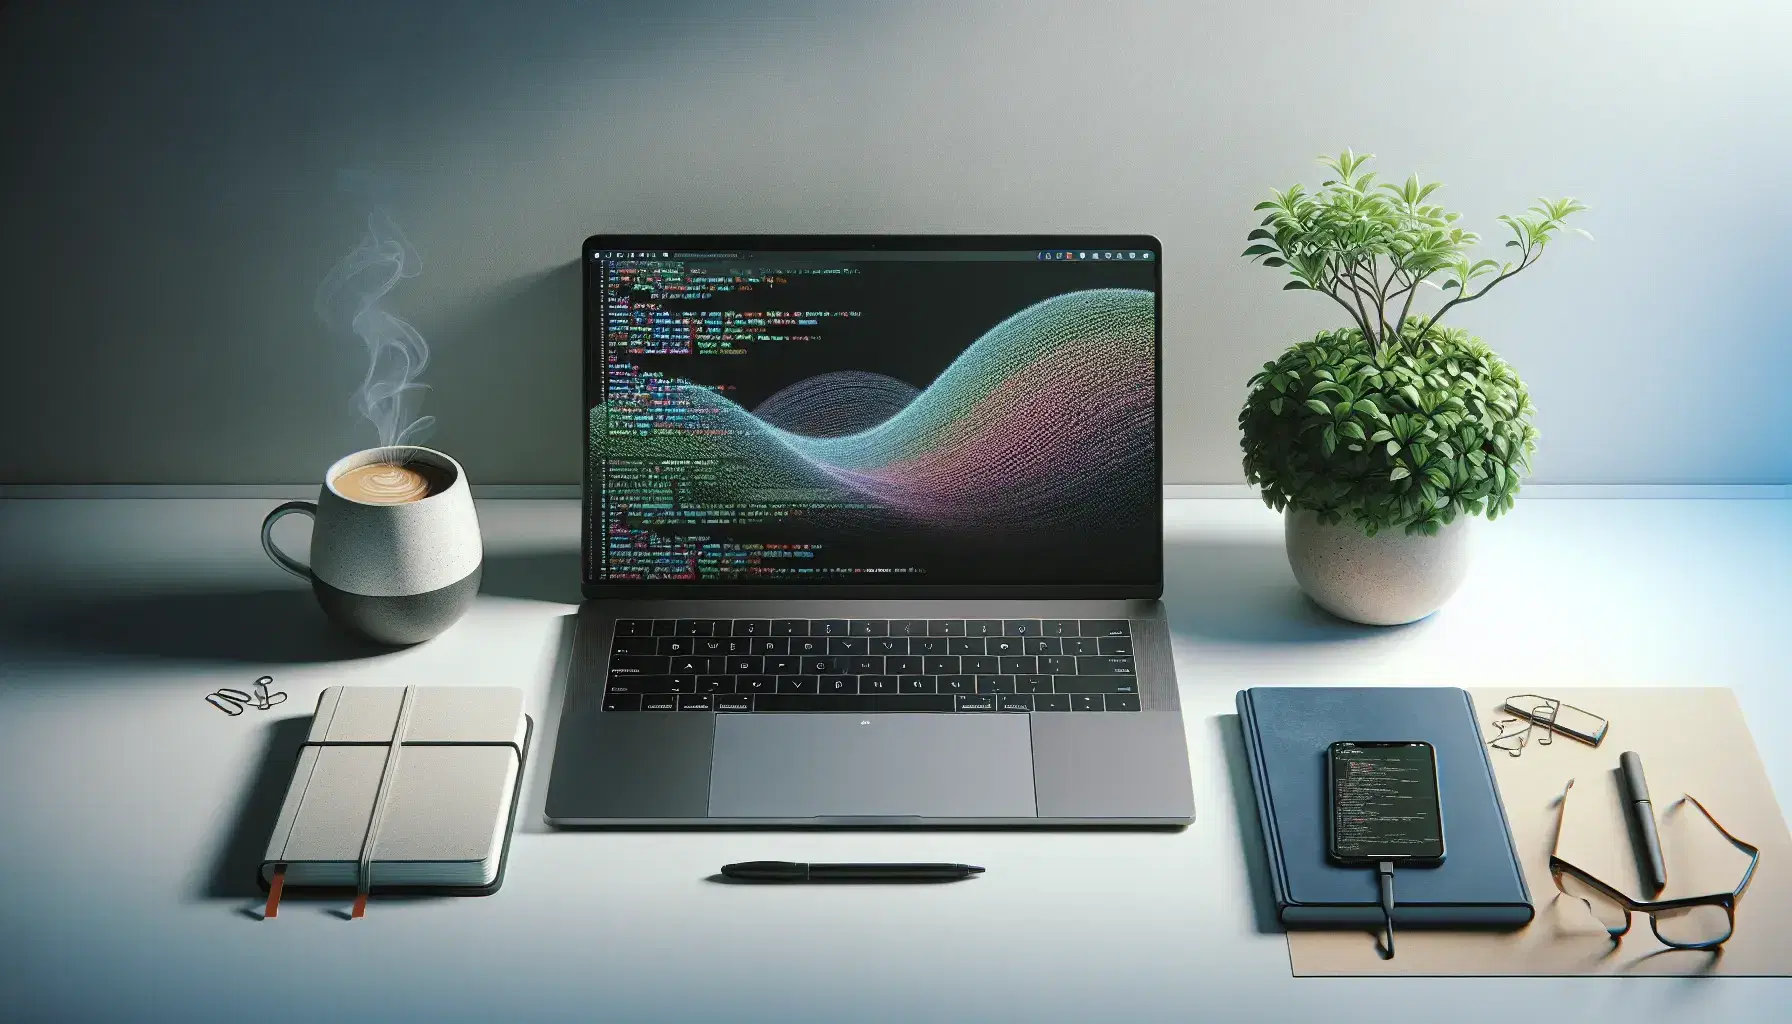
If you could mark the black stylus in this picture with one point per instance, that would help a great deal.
(786, 871)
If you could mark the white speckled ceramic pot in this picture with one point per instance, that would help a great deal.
(396, 573)
(1384, 580)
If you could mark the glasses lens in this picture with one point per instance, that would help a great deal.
(1611, 915)
(1705, 925)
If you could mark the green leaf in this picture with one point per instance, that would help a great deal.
(1259, 250)
(1275, 261)
(1329, 440)
(1275, 405)
(1296, 286)
(1352, 429)
(1259, 233)
(1393, 448)
(1380, 436)
(1319, 407)
(1398, 473)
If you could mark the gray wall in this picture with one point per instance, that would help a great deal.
(171, 199)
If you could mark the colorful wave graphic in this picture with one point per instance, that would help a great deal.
(1045, 421)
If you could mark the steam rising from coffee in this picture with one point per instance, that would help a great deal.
(349, 299)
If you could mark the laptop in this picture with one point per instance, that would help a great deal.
(872, 536)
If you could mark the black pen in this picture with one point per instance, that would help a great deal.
(786, 871)
(1643, 813)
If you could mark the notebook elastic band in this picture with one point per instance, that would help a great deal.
(388, 774)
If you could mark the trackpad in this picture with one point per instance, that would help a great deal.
(893, 765)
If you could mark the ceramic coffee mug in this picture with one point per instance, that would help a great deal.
(397, 566)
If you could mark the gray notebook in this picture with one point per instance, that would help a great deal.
(401, 787)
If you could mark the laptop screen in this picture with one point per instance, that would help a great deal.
(874, 412)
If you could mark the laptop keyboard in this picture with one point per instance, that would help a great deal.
(859, 665)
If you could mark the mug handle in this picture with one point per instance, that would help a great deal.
(281, 558)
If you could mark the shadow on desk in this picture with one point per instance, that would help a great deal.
(237, 860)
(258, 626)
(1243, 591)
(1250, 831)
(533, 576)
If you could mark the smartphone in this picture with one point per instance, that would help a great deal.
(1384, 802)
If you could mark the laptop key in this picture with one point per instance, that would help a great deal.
(839, 684)
(1100, 666)
(975, 702)
(975, 665)
(908, 627)
(868, 627)
(634, 627)
(1033, 683)
(823, 666)
(659, 702)
(872, 666)
(877, 684)
(665, 627)
(983, 627)
(734, 702)
(790, 627)
(1019, 664)
(827, 627)
(887, 645)
(1043, 645)
(639, 684)
(995, 684)
(696, 627)
(752, 627)
(695, 665)
(849, 645)
(945, 627)
(773, 645)
(783, 666)
(712, 646)
(750, 665)
(1059, 627)
(957, 684)
(715, 684)
(633, 665)
(1051, 702)
(812, 702)
(675, 645)
(1083, 645)
(941, 665)
(906, 665)
(622, 702)
(798, 684)
(1058, 665)
(914, 684)
(1122, 701)
(928, 645)
(637, 645)
(1105, 627)
(682, 684)
(1085, 702)
(696, 702)
(914, 702)
(1116, 645)
(1095, 684)
(755, 684)
(1006, 644)
(803, 645)
(1014, 702)
(1020, 627)
(965, 645)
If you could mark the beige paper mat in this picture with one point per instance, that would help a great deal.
(1692, 740)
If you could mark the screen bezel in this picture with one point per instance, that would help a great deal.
(1331, 805)
(594, 589)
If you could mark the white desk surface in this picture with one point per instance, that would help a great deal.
(130, 811)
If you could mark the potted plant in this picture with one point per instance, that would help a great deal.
(1379, 440)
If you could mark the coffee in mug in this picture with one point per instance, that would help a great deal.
(390, 483)
(395, 548)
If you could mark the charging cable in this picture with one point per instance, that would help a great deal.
(1385, 871)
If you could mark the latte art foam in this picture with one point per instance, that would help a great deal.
(386, 483)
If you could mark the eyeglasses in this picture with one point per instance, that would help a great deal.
(1542, 718)
(1691, 922)
(232, 701)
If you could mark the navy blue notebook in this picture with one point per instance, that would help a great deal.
(1287, 731)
